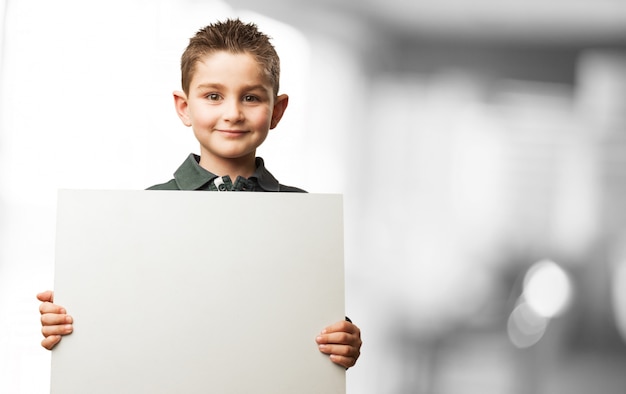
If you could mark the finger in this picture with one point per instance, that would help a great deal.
(342, 326)
(56, 329)
(46, 296)
(51, 341)
(335, 337)
(340, 350)
(339, 338)
(345, 356)
(342, 342)
(54, 319)
(48, 307)
(345, 362)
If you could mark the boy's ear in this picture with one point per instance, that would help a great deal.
(180, 103)
(279, 109)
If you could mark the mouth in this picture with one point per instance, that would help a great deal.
(233, 133)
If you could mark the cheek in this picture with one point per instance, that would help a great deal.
(264, 118)
(202, 116)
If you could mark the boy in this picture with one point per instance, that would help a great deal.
(230, 78)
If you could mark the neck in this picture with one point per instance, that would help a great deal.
(244, 166)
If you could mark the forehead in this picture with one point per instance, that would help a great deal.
(224, 67)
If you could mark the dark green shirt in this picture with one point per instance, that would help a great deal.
(190, 176)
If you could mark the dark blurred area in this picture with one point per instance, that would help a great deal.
(484, 193)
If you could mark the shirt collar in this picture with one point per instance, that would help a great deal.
(190, 176)
(264, 178)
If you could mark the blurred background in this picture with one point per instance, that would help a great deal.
(480, 147)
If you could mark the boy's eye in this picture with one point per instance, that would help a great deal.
(213, 96)
(250, 98)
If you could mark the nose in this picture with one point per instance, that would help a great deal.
(232, 111)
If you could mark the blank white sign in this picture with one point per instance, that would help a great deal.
(198, 292)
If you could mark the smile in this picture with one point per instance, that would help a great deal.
(233, 132)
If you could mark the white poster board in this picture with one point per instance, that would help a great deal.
(198, 292)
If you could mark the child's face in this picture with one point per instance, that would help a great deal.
(230, 106)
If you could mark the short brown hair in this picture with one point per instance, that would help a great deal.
(233, 36)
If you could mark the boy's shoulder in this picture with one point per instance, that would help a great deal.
(291, 189)
(169, 185)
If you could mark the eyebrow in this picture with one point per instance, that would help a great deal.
(220, 86)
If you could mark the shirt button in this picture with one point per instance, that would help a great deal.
(222, 187)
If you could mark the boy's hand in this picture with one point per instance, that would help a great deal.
(342, 341)
(55, 322)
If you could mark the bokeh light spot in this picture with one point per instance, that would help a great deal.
(547, 288)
